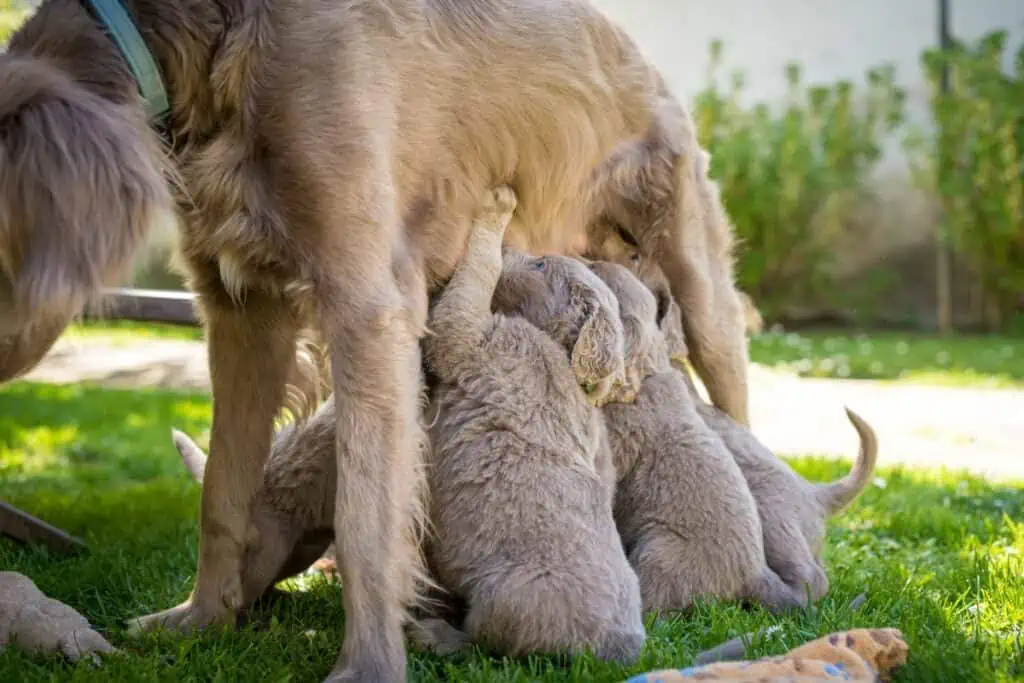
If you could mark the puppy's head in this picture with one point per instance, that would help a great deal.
(613, 248)
(642, 312)
(561, 296)
(79, 189)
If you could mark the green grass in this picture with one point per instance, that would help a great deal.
(991, 361)
(940, 556)
(127, 331)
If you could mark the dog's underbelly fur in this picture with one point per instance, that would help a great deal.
(452, 99)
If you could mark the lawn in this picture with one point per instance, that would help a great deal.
(939, 556)
(965, 360)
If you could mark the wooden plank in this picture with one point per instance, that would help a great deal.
(24, 528)
(147, 305)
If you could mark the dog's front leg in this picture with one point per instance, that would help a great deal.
(251, 347)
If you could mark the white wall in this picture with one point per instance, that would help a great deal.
(830, 39)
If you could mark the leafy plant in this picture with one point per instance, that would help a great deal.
(975, 163)
(791, 179)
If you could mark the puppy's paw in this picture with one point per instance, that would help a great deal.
(496, 209)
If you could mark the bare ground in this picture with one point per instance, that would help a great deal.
(981, 430)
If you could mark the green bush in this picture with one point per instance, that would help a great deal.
(792, 179)
(975, 163)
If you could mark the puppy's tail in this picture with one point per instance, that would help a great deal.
(838, 494)
(191, 454)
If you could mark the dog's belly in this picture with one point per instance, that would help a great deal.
(530, 94)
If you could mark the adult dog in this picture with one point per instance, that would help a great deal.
(328, 155)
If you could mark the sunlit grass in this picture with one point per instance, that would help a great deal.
(939, 555)
(989, 361)
(128, 331)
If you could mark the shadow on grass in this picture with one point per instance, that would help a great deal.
(938, 555)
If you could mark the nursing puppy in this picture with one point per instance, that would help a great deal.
(792, 510)
(521, 480)
(686, 516)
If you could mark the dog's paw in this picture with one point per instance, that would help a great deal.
(189, 616)
(497, 208)
(381, 672)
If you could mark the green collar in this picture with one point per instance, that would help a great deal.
(125, 34)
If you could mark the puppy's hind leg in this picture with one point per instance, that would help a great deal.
(775, 594)
(461, 317)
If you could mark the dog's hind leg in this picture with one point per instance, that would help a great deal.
(251, 342)
(775, 594)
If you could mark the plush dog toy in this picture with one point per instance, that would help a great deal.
(857, 656)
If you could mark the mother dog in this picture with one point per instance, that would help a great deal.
(326, 156)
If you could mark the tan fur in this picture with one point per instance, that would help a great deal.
(520, 476)
(328, 156)
(292, 512)
(686, 516)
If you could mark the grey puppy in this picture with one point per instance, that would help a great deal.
(291, 522)
(792, 510)
(521, 479)
(686, 516)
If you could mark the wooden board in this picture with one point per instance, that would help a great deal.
(147, 305)
(24, 528)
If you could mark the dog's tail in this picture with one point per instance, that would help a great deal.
(191, 454)
(838, 494)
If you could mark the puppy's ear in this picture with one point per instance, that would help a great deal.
(598, 354)
(80, 188)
